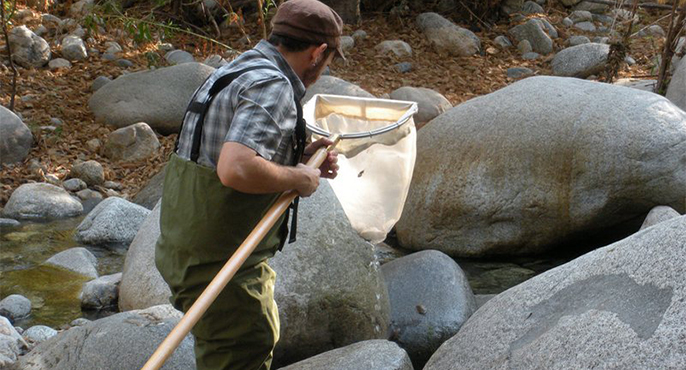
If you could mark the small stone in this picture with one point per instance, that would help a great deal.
(629, 60)
(519, 72)
(491, 51)
(124, 63)
(503, 42)
(113, 185)
(175, 57)
(99, 82)
(601, 40)
(51, 178)
(94, 52)
(578, 40)
(165, 47)
(654, 30)
(101, 293)
(109, 57)
(90, 171)
(8, 222)
(359, 35)
(49, 18)
(586, 26)
(110, 193)
(74, 185)
(94, 145)
(38, 334)
(396, 47)
(347, 43)
(113, 47)
(531, 7)
(215, 61)
(73, 48)
(604, 19)
(88, 194)
(403, 67)
(578, 16)
(78, 32)
(524, 47)
(15, 307)
(41, 30)
(80, 322)
(58, 63)
(56, 121)
(530, 56)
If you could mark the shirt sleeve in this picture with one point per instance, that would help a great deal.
(261, 118)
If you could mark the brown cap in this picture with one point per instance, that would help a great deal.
(309, 21)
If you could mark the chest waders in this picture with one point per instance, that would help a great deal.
(202, 223)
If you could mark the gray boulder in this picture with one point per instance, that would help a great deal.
(334, 85)
(347, 43)
(142, 285)
(15, 307)
(329, 289)
(38, 334)
(447, 37)
(430, 103)
(132, 143)
(10, 343)
(152, 192)
(659, 214)
(424, 313)
(102, 292)
(73, 48)
(618, 307)
(59, 63)
(74, 185)
(534, 32)
(175, 57)
(120, 342)
(371, 354)
(158, 98)
(41, 201)
(581, 61)
(654, 31)
(491, 180)
(502, 41)
(399, 48)
(15, 138)
(91, 172)
(28, 49)
(79, 260)
(112, 221)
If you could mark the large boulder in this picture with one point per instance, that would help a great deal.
(335, 86)
(370, 354)
(429, 102)
(430, 300)
(581, 60)
(142, 285)
(123, 341)
(329, 288)
(28, 49)
(541, 162)
(112, 221)
(41, 201)
(619, 307)
(15, 138)
(157, 97)
(447, 37)
(15, 307)
(533, 31)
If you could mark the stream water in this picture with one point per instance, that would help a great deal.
(54, 292)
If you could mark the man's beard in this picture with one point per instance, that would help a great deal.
(312, 74)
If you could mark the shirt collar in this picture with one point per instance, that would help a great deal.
(268, 50)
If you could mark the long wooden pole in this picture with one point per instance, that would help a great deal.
(229, 270)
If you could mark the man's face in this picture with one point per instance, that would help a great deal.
(312, 74)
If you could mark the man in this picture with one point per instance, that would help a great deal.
(239, 147)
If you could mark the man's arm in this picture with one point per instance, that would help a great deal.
(242, 169)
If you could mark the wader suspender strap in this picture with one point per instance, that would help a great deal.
(201, 108)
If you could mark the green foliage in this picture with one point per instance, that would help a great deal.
(152, 58)
(10, 9)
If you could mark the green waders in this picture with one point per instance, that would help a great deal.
(202, 223)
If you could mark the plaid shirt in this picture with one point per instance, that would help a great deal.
(257, 109)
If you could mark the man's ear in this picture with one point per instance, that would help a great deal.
(317, 53)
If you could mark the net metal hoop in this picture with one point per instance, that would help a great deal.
(358, 135)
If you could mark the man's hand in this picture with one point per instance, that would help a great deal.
(329, 168)
(309, 180)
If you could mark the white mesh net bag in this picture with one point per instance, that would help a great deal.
(376, 156)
